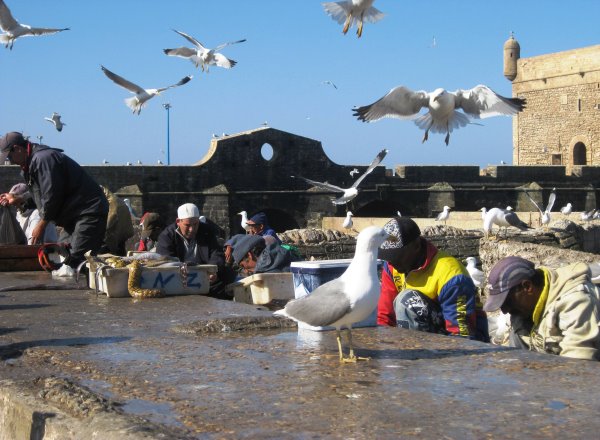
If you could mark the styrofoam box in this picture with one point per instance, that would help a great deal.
(113, 281)
(262, 288)
(308, 275)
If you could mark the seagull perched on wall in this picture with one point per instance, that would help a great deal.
(443, 216)
(587, 216)
(55, 119)
(443, 115)
(348, 299)
(348, 223)
(13, 29)
(352, 192)
(351, 12)
(567, 209)
(483, 213)
(202, 56)
(476, 275)
(137, 102)
(244, 223)
(544, 213)
(502, 218)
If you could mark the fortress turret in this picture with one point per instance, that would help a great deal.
(512, 52)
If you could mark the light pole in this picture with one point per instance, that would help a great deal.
(167, 107)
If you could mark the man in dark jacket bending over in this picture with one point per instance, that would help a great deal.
(194, 242)
(62, 192)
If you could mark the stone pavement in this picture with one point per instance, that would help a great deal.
(76, 365)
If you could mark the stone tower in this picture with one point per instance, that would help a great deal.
(512, 52)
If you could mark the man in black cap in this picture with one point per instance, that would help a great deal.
(555, 311)
(62, 192)
(423, 288)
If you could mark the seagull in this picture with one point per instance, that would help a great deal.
(345, 300)
(587, 216)
(104, 161)
(352, 192)
(244, 223)
(353, 172)
(483, 213)
(347, 224)
(398, 213)
(545, 213)
(128, 164)
(509, 208)
(330, 83)
(503, 218)
(13, 29)
(55, 119)
(159, 162)
(139, 162)
(352, 12)
(137, 102)
(567, 209)
(202, 219)
(476, 275)
(202, 56)
(443, 116)
(443, 216)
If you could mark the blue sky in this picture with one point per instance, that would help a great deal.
(291, 48)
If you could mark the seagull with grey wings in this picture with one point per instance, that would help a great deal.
(443, 115)
(502, 218)
(137, 102)
(544, 213)
(351, 12)
(55, 119)
(349, 193)
(202, 56)
(13, 29)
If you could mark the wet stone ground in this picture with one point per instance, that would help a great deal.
(184, 363)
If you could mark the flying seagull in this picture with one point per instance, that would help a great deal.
(330, 83)
(443, 116)
(443, 216)
(55, 119)
(351, 12)
(476, 275)
(13, 29)
(202, 56)
(545, 213)
(353, 172)
(137, 102)
(502, 218)
(345, 300)
(352, 192)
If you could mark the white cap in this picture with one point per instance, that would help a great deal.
(188, 210)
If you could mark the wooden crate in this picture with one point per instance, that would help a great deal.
(19, 257)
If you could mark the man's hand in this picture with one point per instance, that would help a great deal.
(213, 278)
(37, 235)
(228, 254)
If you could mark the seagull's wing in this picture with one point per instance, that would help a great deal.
(513, 220)
(49, 120)
(327, 186)
(374, 164)
(191, 39)
(45, 31)
(221, 46)
(183, 52)
(181, 82)
(324, 306)
(533, 201)
(122, 81)
(7, 21)
(222, 61)
(483, 102)
(400, 102)
(338, 10)
(551, 201)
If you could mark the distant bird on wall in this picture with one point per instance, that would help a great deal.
(444, 215)
(443, 115)
(348, 223)
(55, 119)
(353, 12)
(567, 209)
(352, 192)
(483, 213)
(13, 29)
(476, 275)
(502, 218)
(544, 213)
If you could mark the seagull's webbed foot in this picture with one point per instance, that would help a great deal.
(425, 136)
(447, 139)
(347, 24)
(360, 28)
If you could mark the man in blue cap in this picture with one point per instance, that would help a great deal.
(259, 225)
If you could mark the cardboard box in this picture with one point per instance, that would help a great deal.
(308, 275)
(113, 281)
(262, 288)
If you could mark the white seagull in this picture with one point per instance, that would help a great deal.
(502, 218)
(567, 209)
(55, 119)
(137, 102)
(443, 116)
(353, 172)
(352, 192)
(345, 300)
(347, 224)
(483, 213)
(244, 223)
(202, 56)
(13, 29)
(351, 12)
(443, 216)
(476, 275)
(544, 213)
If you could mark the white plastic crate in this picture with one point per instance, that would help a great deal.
(262, 288)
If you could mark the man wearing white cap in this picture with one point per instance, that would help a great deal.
(194, 242)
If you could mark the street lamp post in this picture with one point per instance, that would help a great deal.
(167, 107)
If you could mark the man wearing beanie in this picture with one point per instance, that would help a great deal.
(425, 289)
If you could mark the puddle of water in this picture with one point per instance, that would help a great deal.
(155, 411)
(116, 353)
(556, 404)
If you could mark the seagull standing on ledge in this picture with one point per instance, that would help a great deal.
(137, 102)
(443, 216)
(544, 213)
(502, 218)
(352, 192)
(476, 275)
(351, 12)
(13, 29)
(567, 209)
(55, 119)
(348, 299)
(347, 224)
(443, 116)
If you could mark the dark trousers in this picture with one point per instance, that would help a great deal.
(87, 234)
(416, 311)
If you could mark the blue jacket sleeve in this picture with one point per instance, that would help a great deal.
(457, 300)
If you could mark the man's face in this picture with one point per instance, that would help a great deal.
(188, 227)
(17, 155)
(255, 229)
(520, 300)
(248, 263)
(405, 259)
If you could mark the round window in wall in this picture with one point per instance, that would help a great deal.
(266, 151)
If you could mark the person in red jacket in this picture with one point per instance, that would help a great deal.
(425, 289)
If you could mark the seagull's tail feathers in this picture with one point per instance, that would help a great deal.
(5, 39)
(338, 10)
(134, 104)
(373, 15)
(457, 120)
